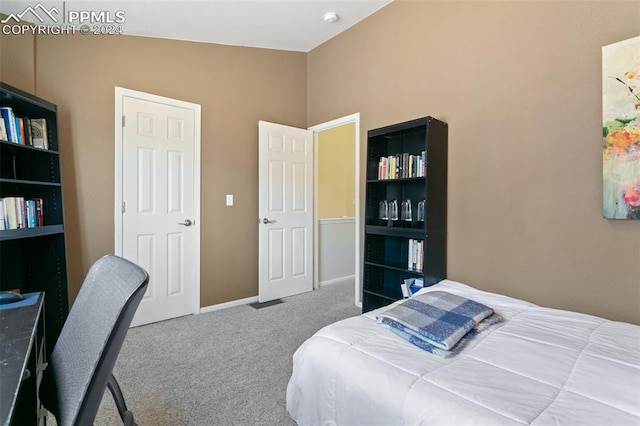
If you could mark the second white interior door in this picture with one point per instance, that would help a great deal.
(285, 211)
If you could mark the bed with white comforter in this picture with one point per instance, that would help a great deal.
(540, 366)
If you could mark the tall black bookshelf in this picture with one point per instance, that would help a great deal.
(406, 162)
(34, 258)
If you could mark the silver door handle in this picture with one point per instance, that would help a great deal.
(186, 222)
(265, 221)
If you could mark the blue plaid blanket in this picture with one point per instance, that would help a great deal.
(400, 330)
(436, 319)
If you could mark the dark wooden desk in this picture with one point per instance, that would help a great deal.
(21, 362)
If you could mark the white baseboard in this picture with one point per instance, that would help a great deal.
(337, 280)
(248, 300)
(228, 304)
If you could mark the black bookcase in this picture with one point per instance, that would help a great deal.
(34, 259)
(419, 173)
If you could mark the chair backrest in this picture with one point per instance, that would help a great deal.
(91, 338)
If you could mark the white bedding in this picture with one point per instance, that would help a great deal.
(541, 367)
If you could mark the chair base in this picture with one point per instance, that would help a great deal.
(121, 405)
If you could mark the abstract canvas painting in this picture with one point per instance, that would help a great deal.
(621, 129)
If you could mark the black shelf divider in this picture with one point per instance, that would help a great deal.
(29, 148)
(395, 232)
(29, 182)
(13, 234)
(394, 267)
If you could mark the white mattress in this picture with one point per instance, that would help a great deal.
(541, 366)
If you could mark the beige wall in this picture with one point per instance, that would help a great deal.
(336, 172)
(236, 87)
(518, 82)
(17, 60)
(520, 85)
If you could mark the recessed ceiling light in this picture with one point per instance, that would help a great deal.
(330, 17)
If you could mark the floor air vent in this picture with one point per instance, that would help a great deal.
(258, 305)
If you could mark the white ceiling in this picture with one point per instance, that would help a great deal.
(295, 25)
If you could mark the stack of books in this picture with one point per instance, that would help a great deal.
(410, 286)
(23, 130)
(402, 166)
(18, 213)
(415, 255)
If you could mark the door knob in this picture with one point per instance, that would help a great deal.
(265, 221)
(186, 222)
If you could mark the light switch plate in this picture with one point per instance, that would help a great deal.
(229, 199)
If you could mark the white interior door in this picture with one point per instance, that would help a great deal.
(160, 224)
(285, 210)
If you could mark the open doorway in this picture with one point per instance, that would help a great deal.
(337, 211)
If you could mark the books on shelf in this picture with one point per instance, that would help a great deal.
(23, 130)
(402, 166)
(3, 130)
(10, 123)
(18, 213)
(415, 255)
(411, 286)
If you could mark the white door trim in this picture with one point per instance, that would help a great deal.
(353, 118)
(120, 94)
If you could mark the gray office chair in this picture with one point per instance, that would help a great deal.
(81, 364)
